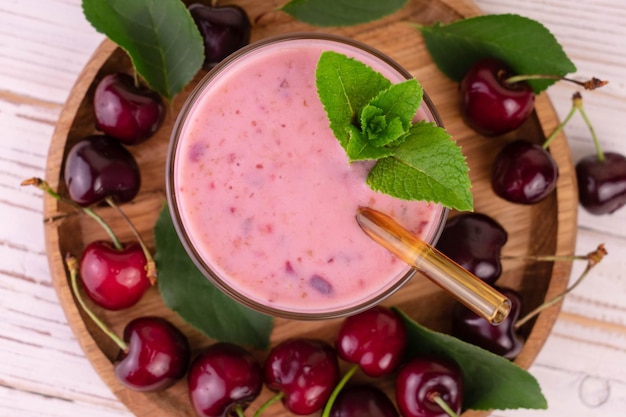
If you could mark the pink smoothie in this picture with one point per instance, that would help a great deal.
(266, 195)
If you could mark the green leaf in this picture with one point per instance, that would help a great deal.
(524, 44)
(490, 381)
(360, 149)
(427, 166)
(160, 37)
(186, 291)
(345, 86)
(341, 12)
(388, 116)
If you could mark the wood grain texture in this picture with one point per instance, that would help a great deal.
(44, 44)
(68, 232)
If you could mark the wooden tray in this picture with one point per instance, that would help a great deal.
(545, 228)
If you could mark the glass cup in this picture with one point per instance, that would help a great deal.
(263, 197)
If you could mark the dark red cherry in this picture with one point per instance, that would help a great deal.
(224, 29)
(97, 167)
(502, 340)
(114, 279)
(489, 104)
(524, 172)
(423, 378)
(223, 377)
(157, 355)
(305, 371)
(474, 241)
(363, 400)
(602, 184)
(125, 111)
(374, 339)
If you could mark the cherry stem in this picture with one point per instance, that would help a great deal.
(436, 398)
(275, 398)
(43, 185)
(72, 266)
(577, 105)
(151, 269)
(333, 395)
(577, 101)
(558, 129)
(590, 84)
(239, 411)
(593, 258)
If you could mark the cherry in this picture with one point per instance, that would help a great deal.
(601, 176)
(157, 355)
(125, 111)
(474, 241)
(99, 166)
(304, 372)
(374, 339)
(114, 278)
(524, 172)
(502, 339)
(490, 105)
(429, 387)
(154, 354)
(224, 30)
(363, 400)
(602, 182)
(222, 379)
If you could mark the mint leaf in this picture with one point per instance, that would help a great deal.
(427, 166)
(524, 44)
(341, 12)
(186, 291)
(160, 37)
(490, 381)
(388, 116)
(360, 149)
(345, 86)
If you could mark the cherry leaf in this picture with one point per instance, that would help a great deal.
(190, 294)
(524, 44)
(341, 12)
(491, 382)
(163, 42)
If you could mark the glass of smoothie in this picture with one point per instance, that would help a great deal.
(262, 194)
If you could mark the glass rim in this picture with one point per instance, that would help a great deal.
(173, 206)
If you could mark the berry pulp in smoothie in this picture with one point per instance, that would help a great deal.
(265, 193)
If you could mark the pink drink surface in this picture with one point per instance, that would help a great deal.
(266, 193)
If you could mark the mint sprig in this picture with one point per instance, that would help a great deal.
(373, 120)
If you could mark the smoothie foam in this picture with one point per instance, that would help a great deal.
(266, 195)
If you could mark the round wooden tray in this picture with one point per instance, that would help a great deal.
(546, 228)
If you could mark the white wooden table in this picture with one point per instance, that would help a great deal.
(43, 372)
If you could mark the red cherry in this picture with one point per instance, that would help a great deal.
(99, 166)
(363, 401)
(474, 241)
(374, 339)
(305, 371)
(223, 377)
(489, 104)
(224, 30)
(125, 111)
(157, 355)
(524, 173)
(114, 279)
(502, 340)
(602, 184)
(424, 378)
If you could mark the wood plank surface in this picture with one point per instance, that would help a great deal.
(44, 44)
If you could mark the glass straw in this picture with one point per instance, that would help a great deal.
(470, 290)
